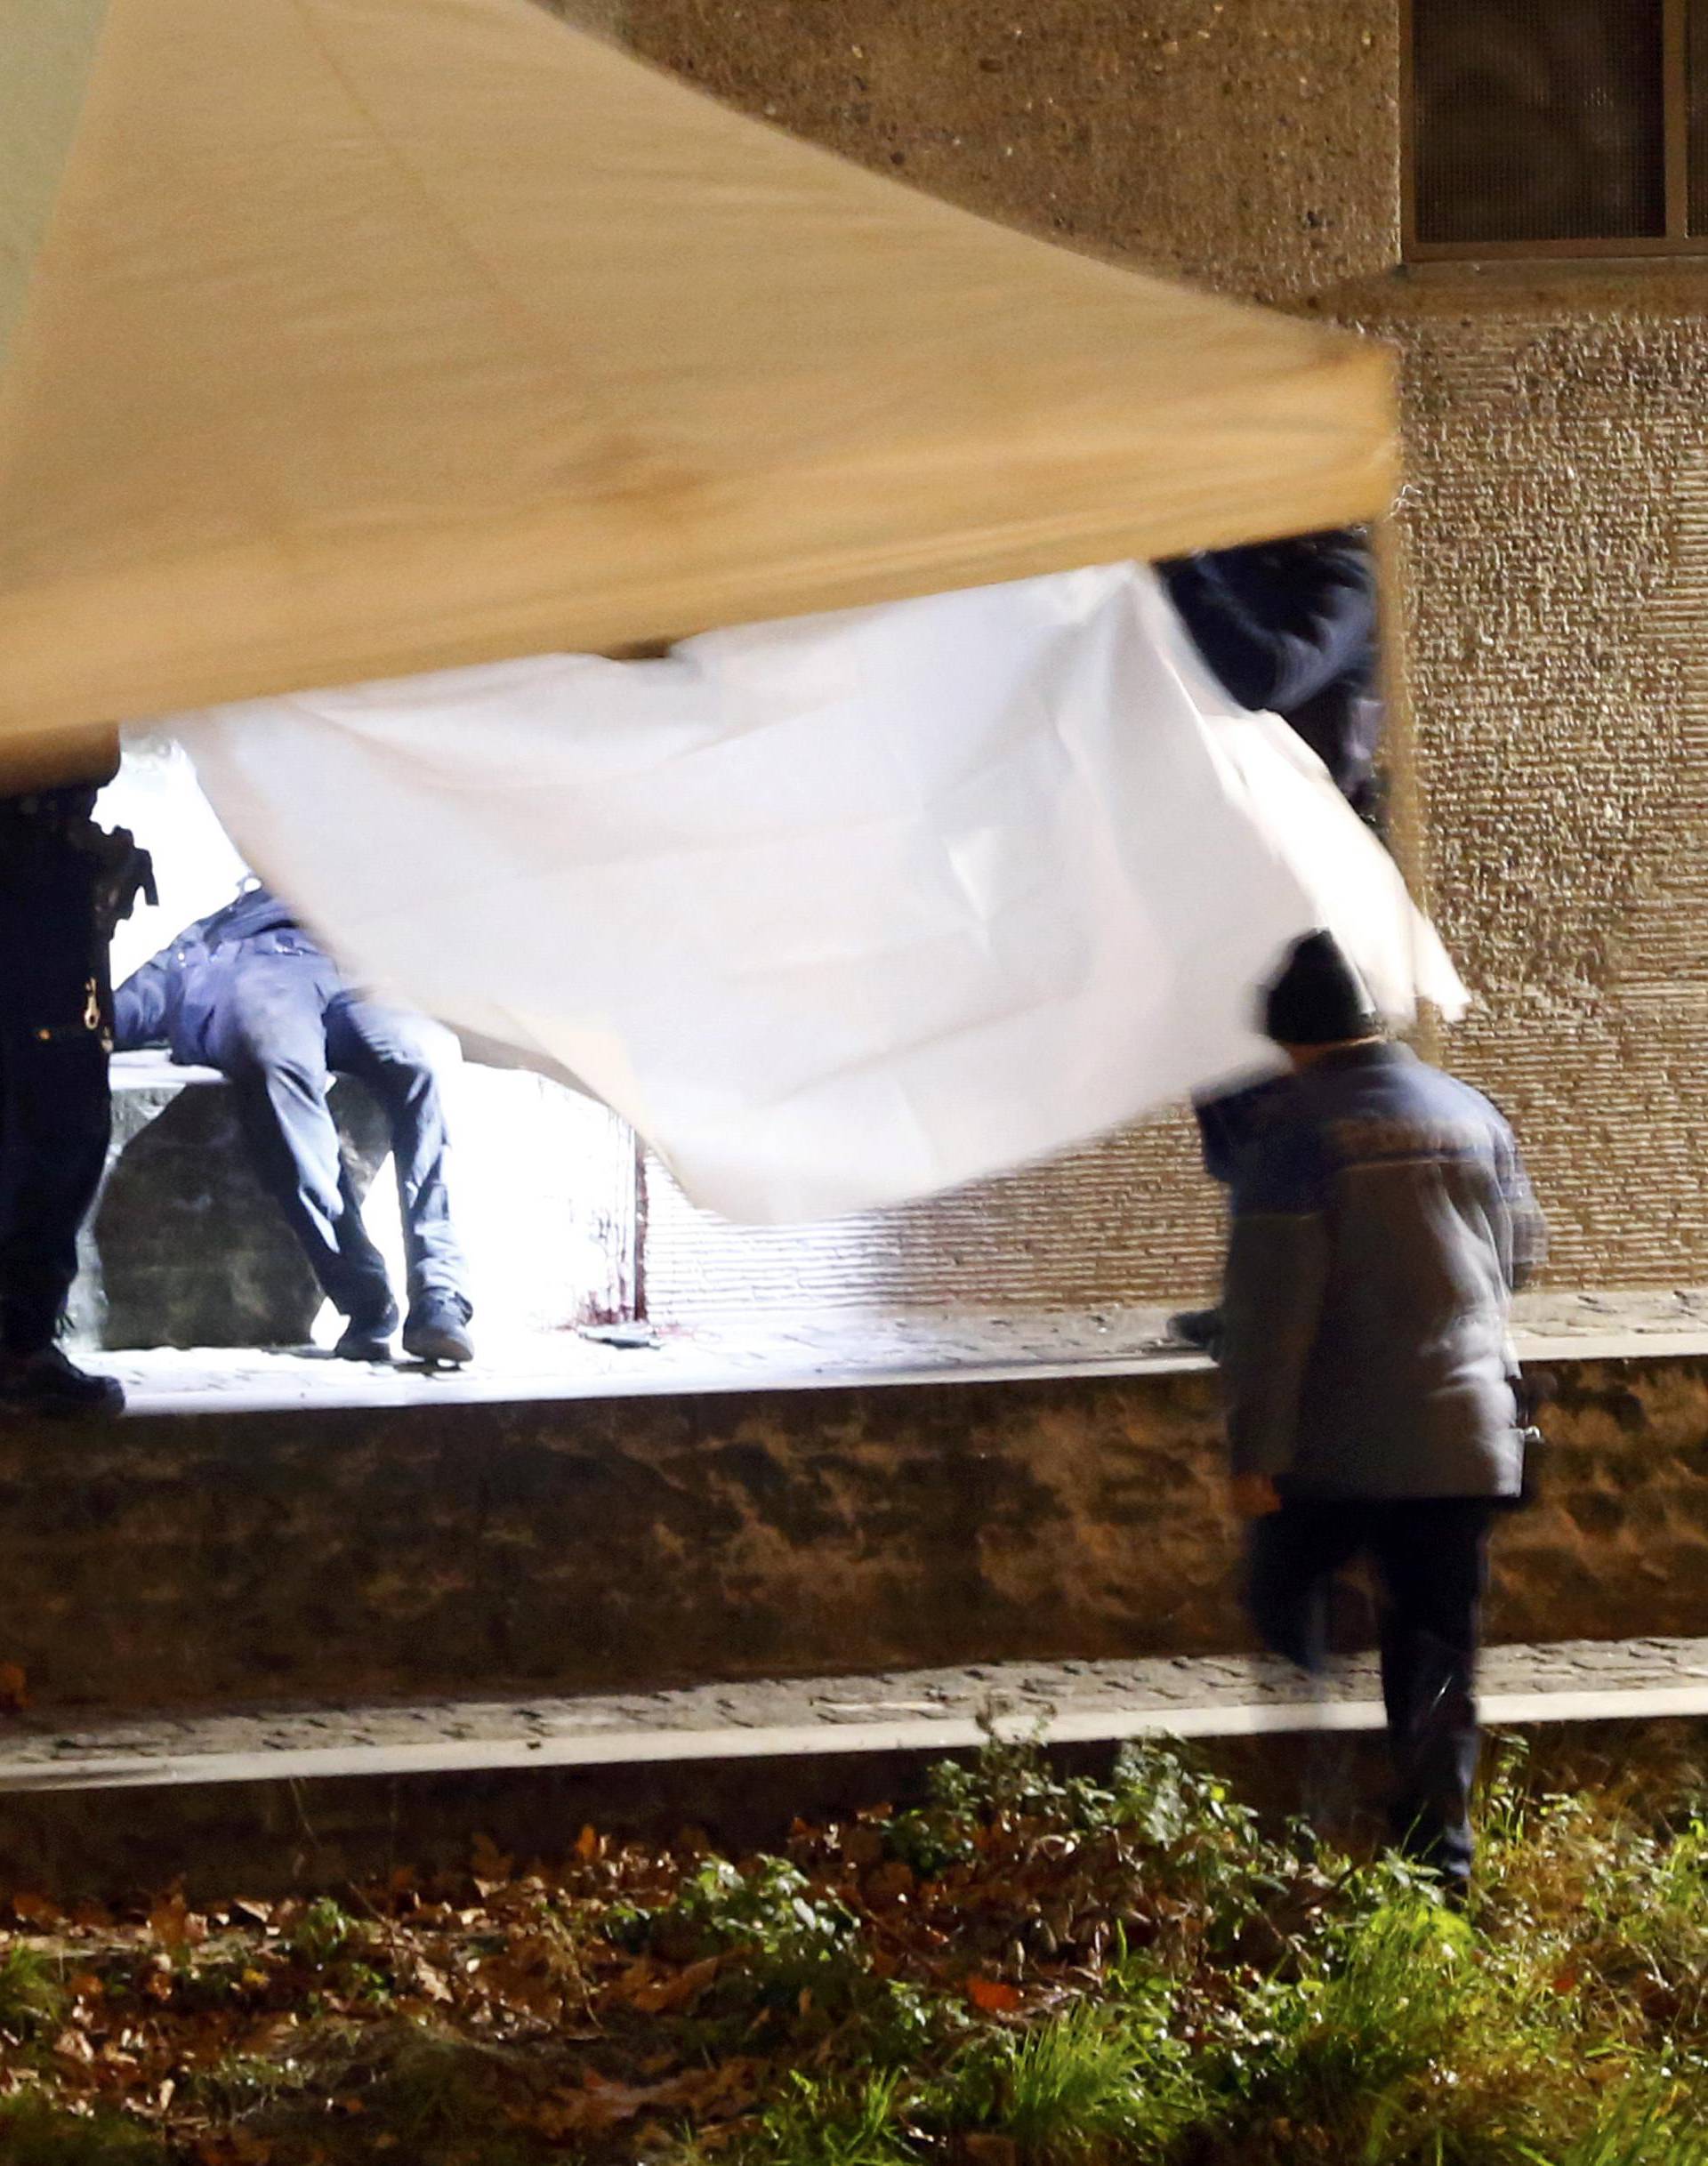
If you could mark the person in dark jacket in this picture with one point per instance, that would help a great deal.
(247, 991)
(1381, 1220)
(1288, 628)
(62, 887)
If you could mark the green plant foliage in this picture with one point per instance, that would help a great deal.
(34, 2132)
(1094, 2082)
(322, 1934)
(31, 2001)
(1025, 1969)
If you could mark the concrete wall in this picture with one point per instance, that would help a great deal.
(1560, 606)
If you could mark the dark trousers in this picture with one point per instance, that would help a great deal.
(289, 1022)
(1431, 1561)
(55, 1113)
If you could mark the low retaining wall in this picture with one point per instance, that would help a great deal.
(619, 1543)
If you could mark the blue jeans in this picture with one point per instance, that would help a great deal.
(289, 1022)
(1431, 1561)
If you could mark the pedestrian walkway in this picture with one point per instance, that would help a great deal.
(825, 1353)
(923, 1710)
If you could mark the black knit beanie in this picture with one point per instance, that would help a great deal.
(1319, 998)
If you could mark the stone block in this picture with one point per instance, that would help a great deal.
(184, 1247)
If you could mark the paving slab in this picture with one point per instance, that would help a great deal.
(908, 1711)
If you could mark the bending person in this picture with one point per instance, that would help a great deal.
(248, 992)
(1289, 628)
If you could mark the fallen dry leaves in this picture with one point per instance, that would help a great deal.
(593, 2005)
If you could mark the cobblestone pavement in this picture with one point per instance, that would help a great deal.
(1088, 1698)
(864, 1350)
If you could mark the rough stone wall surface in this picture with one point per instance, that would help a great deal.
(1558, 518)
(634, 1544)
(1251, 142)
(1129, 1219)
(1559, 532)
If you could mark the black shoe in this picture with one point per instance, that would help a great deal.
(369, 1338)
(47, 1383)
(1200, 1328)
(437, 1330)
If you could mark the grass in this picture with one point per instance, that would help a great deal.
(1024, 1971)
(34, 2132)
(30, 2000)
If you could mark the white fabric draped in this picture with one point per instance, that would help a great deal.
(837, 911)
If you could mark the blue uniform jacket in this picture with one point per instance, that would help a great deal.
(176, 999)
(1382, 1220)
(1290, 627)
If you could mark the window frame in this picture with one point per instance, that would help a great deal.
(1678, 240)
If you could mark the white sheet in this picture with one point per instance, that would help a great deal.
(838, 911)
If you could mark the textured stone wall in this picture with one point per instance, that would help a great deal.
(1253, 143)
(620, 1544)
(1559, 525)
(1558, 441)
(1129, 1221)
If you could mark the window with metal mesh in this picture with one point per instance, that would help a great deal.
(1697, 46)
(1544, 121)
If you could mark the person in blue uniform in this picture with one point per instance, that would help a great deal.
(1289, 628)
(1381, 1221)
(64, 883)
(249, 992)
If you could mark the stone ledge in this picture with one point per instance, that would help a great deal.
(825, 1353)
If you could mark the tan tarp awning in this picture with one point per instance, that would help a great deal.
(373, 336)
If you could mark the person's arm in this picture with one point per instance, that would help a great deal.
(1529, 1238)
(1523, 1239)
(1328, 625)
(1272, 1304)
(139, 1006)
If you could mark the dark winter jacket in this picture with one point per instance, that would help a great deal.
(1290, 628)
(1229, 1122)
(175, 999)
(1382, 1220)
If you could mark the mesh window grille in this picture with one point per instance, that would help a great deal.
(1697, 20)
(1543, 120)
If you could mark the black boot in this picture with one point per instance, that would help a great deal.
(438, 1330)
(1200, 1328)
(47, 1383)
(368, 1338)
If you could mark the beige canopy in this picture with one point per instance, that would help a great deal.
(374, 336)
